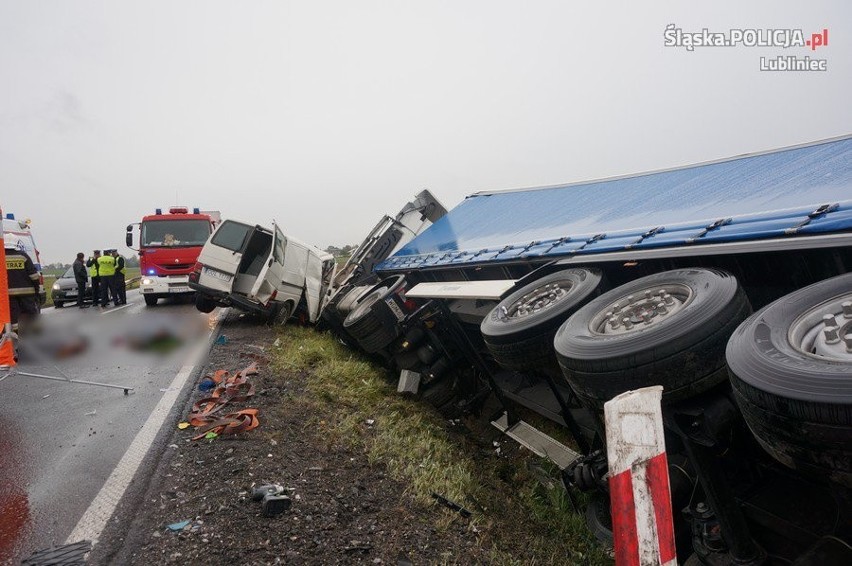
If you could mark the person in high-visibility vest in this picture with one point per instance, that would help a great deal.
(106, 271)
(23, 282)
(120, 290)
(92, 264)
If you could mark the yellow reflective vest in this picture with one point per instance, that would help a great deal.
(106, 265)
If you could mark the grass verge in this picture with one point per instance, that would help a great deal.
(519, 519)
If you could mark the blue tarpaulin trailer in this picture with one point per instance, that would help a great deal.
(725, 286)
(799, 191)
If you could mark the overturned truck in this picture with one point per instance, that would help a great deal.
(728, 283)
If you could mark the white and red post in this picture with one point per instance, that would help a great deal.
(640, 496)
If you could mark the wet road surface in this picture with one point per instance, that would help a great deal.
(59, 442)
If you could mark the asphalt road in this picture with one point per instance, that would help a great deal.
(59, 442)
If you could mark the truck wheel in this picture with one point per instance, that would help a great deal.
(441, 394)
(372, 322)
(519, 331)
(791, 370)
(202, 303)
(666, 329)
(350, 299)
(150, 300)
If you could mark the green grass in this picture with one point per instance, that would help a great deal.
(421, 449)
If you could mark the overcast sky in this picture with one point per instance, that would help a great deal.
(325, 115)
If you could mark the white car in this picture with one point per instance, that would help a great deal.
(261, 271)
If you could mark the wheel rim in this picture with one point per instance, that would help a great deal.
(367, 303)
(643, 308)
(538, 300)
(825, 331)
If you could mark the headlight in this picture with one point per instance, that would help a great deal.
(56, 287)
(147, 281)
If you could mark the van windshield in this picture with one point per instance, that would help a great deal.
(175, 233)
(231, 235)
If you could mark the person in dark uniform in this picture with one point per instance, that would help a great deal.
(120, 291)
(106, 271)
(23, 283)
(81, 277)
(92, 264)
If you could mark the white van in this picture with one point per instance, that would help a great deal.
(261, 271)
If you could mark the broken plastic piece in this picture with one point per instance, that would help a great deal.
(275, 504)
(210, 435)
(183, 425)
(222, 339)
(178, 526)
(262, 491)
(452, 505)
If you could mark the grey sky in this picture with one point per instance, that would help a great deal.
(325, 115)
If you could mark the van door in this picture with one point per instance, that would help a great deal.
(222, 255)
(267, 286)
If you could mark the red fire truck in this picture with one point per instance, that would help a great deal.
(169, 245)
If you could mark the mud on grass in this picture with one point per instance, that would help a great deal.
(361, 463)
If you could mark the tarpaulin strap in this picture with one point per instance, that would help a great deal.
(821, 211)
(232, 423)
(589, 242)
(714, 226)
(648, 234)
(558, 243)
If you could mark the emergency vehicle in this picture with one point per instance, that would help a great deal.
(169, 245)
(23, 231)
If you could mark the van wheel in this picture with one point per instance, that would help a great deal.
(519, 331)
(282, 314)
(372, 322)
(791, 371)
(202, 303)
(666, 329)
(150, 300)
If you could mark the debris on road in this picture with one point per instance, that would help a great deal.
(452, 505)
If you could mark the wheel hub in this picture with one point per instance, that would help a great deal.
(825, 331)
(644, 308)
(538, 299)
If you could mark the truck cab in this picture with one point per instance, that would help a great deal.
(261, 271)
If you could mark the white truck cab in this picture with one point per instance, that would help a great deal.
(260, 270)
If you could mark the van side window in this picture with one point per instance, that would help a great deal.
(278, 249)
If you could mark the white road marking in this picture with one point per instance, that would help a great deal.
(116, 309)
(94, 520)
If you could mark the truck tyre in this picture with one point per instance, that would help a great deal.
(519, 330)
(441, 394)
(372, 322)
(350, 299)
(202, 303)
(150, 300)
(791, 372)
(670, 329)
